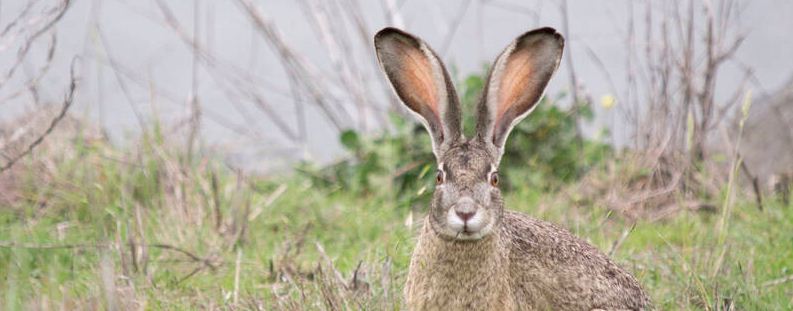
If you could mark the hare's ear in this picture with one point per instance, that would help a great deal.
(516, 83)
(422, 83)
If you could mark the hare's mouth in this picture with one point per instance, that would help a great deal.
(449, 233)
(471, 235)
(468, 235)
(470, 227)
(468, 231)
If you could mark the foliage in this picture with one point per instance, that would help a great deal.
(401, 160)
(544, 151)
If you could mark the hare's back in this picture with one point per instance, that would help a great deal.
(550, 266)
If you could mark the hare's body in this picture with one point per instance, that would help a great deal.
(448, 274)
(471, 254)
(529, 263)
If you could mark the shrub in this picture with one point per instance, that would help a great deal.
(543, 151)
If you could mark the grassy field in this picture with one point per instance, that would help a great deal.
(84, 225)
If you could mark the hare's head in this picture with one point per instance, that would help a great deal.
(467, 203)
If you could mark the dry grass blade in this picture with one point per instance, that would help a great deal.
(779, 281)
(108, 277)
(237, 277)
(11, 244)
(621, 239)
(207, 262)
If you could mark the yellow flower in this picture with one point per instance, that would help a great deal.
(607, 101)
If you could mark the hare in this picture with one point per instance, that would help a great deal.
(471, 253)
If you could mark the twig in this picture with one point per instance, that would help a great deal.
(356, 276)
(11, 244)
(117, 73)
(357, 17)
(758, 195)
(65, 107)
(406, 168)
(31, 83)
(195, 105)
(23, 51)
(454, 24)
(216, 200)
(237, 86)
(192, 273)
(206, 261)
(778, 281)
(578, 102)
(295, 65)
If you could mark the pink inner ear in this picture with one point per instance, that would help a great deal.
(514, 84)
(418, 78)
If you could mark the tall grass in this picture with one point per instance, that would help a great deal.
(98, 227)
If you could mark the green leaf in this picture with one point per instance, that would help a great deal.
(350, 140)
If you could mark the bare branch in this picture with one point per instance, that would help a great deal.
(454, 24)
(56, 13)
(293, 63)
(67, 102)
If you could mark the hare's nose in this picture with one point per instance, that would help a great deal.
(465, 216)
(465, 209)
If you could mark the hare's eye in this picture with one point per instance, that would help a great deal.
(440, 177)
(494, 179)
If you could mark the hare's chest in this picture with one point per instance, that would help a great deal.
(438, 291)
(454, 279)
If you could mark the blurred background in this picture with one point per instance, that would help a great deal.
(275, 81)
(229, 133)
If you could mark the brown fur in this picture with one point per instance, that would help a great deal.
(528, 265)
(525, 264)
(493, 259)
(449, 274)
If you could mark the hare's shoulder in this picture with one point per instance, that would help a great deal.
(555, 259)
(538, 238)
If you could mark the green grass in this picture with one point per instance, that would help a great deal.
(300, 244)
